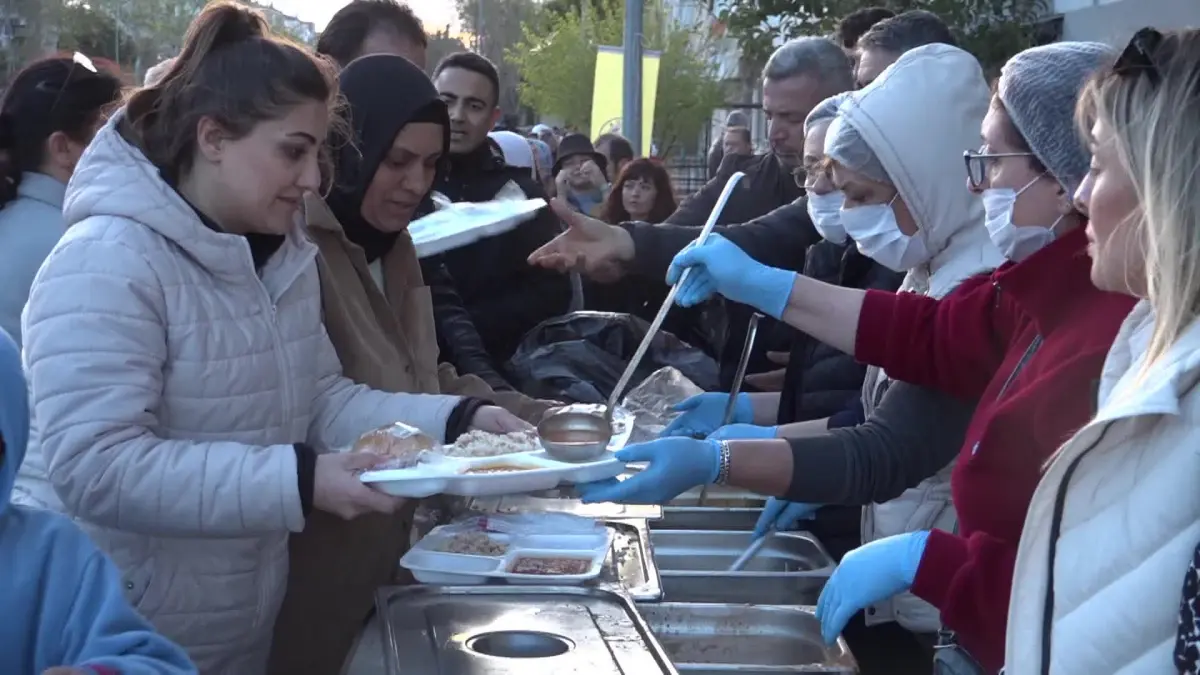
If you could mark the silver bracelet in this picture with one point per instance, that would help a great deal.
(725, 461)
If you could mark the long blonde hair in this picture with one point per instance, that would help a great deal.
(1152, 111)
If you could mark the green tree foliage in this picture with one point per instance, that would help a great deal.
(441, 45)
(993, 30)
(496, 26)
(557, 58)
(88, 31)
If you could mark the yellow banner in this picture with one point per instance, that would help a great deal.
(607, 93)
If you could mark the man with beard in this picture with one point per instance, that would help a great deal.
(505, 296)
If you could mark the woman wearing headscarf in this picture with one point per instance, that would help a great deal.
(1027, 341)
(379, 317)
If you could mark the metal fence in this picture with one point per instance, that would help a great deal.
(689, 173)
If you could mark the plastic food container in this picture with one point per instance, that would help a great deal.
(431, 563)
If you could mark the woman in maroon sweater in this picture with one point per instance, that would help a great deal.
(1027, 341)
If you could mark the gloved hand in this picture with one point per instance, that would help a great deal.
(866, 575)
(743, 432)
(703, 413)
(719, 266)
(676, 465)
(781, 515)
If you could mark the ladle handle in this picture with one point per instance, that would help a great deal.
(666, 306)
(740, 376)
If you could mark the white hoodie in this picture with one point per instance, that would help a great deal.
(918, 117)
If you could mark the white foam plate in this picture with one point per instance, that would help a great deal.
(453, 476)
(431, 566)
(464, 223)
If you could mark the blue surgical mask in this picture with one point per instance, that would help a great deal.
(826, 213)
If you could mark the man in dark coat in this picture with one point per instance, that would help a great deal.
(505, 296)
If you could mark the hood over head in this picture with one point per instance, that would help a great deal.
(14, 416)
(384, 93)
(917, 118)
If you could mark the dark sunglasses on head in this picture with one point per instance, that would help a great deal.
(1139, 56)
(57, 88)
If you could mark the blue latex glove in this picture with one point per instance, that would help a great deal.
(676, 465)
(719, 266)
(780, 515)
(743, 432)
(866, 575)
(703, 414)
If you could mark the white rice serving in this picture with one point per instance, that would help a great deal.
(485, 444)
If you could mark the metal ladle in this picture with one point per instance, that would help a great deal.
(590, 433)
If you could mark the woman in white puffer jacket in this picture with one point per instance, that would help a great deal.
(184, 390)
(1113, 524)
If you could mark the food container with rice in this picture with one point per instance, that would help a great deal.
(553, 548)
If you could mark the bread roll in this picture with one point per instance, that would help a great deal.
(401, 444)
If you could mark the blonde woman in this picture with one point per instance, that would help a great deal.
(1114, 521)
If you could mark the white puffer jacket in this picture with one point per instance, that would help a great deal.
(1129, 521)
(917, 117)
(169, 383)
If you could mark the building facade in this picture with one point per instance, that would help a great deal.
(1114, 21)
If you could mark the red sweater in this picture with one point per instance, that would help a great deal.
(969, 344)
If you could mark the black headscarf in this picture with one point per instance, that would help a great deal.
(384, 94)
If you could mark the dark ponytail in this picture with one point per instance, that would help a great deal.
(231, 70)
(58, 94)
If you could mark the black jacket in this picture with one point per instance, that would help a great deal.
(820, 380)
(767, 186)
(505, 295)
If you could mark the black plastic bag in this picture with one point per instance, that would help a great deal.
(578, 357)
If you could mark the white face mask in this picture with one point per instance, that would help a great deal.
(875, 230)
(1016, 243)
(826, 213)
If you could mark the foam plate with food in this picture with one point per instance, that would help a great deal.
(453, 555)
(481, 464)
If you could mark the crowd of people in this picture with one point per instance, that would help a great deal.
(976, 383)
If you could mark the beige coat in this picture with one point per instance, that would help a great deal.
(387, 341)
(169, 382)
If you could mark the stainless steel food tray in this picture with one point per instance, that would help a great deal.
(563, 500)
(712, 638)
(630, 566)
(707, 518)
(721, 496)
(493, 630)
(791, 568)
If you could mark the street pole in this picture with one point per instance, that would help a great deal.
(631, 97)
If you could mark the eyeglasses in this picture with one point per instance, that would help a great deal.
(1138, 58)
(48, 86)
(979, 161)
